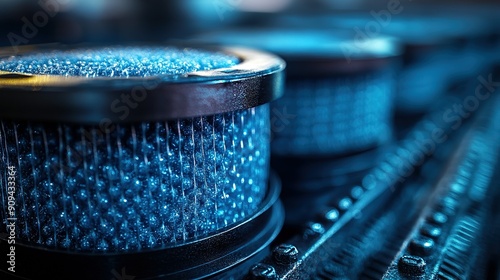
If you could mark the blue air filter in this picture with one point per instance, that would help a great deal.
(440, 48)
(144, 151)
(336, 117)
(339, 94)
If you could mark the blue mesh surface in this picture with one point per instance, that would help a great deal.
(334, 116)
(118, 62)
(139, 186)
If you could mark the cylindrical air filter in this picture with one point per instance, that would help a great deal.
(339, 95)
(336, 117)
(437, 55)
(143, 157)
(440, 48)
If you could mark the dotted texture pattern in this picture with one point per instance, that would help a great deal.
(144, 185)
(121, 62)
(335, 116)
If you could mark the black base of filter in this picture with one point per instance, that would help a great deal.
(318, 174)
(310, 185)
(198, 259)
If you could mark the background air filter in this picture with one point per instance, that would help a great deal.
(440, 51)
(440, 48)
(336, 117)
(122, 150)
(340, 91)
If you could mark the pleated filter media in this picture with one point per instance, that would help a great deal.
(338, 115)
(138, 184)
(145, 185)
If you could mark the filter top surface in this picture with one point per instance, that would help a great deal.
(122, 62)
(90, 84)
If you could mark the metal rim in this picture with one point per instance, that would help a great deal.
(323, 52)
(256, 80)
(308, 42)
